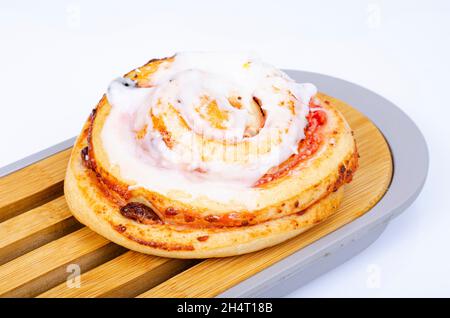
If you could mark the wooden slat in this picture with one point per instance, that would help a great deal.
(35, 228)
(125, 276)
(45, 267)
(33, 185)
(214, 276)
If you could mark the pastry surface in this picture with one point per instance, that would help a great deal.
(287, 199)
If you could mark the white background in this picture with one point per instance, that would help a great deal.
(57, 58)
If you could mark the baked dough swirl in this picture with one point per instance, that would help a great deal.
(207, 155)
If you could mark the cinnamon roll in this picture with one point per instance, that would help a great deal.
(208, 155)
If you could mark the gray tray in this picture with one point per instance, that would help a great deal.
(410, 155)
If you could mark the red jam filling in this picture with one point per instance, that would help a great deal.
(306, 147)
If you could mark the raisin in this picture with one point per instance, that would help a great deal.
(139, 212)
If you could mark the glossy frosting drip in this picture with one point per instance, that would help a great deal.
(205, 125)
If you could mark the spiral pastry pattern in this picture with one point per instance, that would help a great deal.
(202, 142)
(205, 122)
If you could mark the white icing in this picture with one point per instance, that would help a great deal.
(151, 164)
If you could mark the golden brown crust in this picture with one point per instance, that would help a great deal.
(91, 207)
(339, 159)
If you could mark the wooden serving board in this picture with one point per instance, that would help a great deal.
(39, 238)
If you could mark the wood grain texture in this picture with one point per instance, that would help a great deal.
(32, 185)
(46, 267)
(35, 228)
(125, 276)
(214, 276)
(39, 238)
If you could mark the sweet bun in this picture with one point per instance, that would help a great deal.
(200, 155)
